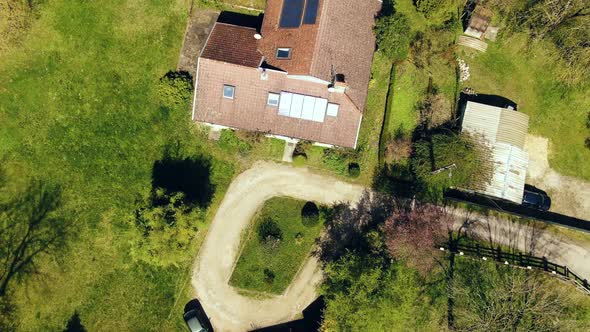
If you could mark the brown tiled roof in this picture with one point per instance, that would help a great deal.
(341, 42)
(346, 44)
(248, 109)
(232, 44)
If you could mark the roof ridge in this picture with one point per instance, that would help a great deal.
(236, 25)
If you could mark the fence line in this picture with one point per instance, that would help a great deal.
(519, 260)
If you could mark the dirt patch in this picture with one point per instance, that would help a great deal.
(198, 28)
(569, 195)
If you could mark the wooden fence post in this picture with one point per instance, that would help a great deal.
(545, 264)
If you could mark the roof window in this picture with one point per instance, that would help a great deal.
(283, 53)
(229, 91)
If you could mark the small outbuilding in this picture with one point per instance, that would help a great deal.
(504, 130)
(479, 22)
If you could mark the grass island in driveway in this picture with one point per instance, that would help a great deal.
(275, 246)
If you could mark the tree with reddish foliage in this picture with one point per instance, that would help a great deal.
(413, 230)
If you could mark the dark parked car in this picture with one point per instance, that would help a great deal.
(195, 317)
(536, 200)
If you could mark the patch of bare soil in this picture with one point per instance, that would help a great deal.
(569, 195)
(198, 28)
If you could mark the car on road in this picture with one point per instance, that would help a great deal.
(536, 200)
(195, 317)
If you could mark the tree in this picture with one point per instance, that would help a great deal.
(446, 160)
(30, 227)
(393, 36)
(499, 298)
(412, 232)
(365, 294)
(164, 233)
(352, 228)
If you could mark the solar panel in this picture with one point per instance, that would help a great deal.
(311, 11)
(291, 14)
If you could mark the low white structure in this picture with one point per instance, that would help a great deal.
(505, 131)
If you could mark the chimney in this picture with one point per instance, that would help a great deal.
(339, 84)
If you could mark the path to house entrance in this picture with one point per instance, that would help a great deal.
(227, 309)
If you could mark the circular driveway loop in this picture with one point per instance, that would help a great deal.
(228, 310)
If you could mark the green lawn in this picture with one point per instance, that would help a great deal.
(256, 4)
(283, 260)
(527, 73)
(79, 108)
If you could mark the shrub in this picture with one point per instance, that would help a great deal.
(231, 142)
(302, 148)
(269, 230)
(299, 160)
(310, 214)
(269, 276)
(354, 170)
(393, 36)
(175, 89)
(299, 237)
(472, 168)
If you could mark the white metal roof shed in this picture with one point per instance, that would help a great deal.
(505, 130)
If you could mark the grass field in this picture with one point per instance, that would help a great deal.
(527, 73)
(285, 259)
(79, 108)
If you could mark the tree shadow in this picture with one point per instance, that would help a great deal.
(34, 228)
(190, 176)
(311, 321)
(75, 324)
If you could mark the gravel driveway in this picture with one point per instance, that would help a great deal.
(228, 310)
(569, 195)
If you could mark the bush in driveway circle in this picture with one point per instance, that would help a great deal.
(354, 170)
(310, 214)
(269, 231)
(269, 276)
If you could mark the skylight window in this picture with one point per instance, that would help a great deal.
(283, 53)
(229, 91)
(273, 99)
(299, 106)
(333, 109)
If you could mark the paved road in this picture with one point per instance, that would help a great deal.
(228, 310)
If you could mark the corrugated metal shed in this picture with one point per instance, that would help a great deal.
(505, 130)
(510, 166)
